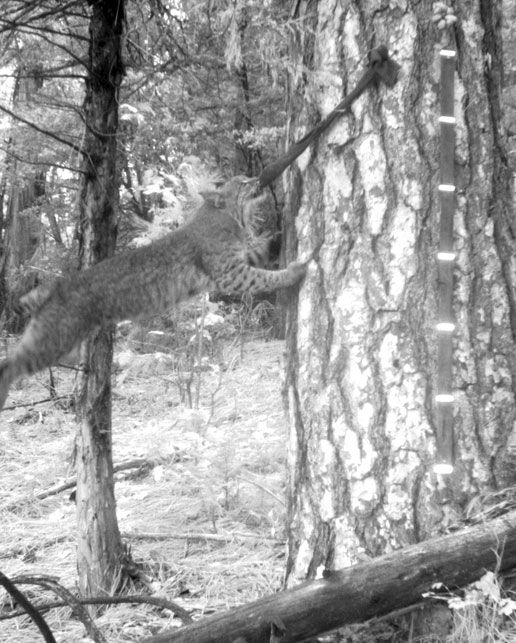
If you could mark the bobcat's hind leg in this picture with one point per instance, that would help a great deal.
(6, 380)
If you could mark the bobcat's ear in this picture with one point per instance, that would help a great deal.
(213, 197)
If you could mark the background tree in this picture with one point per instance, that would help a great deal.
(361, 344)
(32, 151)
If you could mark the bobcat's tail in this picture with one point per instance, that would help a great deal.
(6, 379)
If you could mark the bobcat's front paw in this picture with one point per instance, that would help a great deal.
(297, 271)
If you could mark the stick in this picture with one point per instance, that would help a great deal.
(381, 67)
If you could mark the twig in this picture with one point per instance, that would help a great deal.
(76, 148)
(136, 463)
(77, 608)
(72, 601)
(44, 401)
(263, 488)
(221, 538)
(20, 550)
(28, 608)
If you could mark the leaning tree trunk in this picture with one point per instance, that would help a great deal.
(362, 346)
(99, 542)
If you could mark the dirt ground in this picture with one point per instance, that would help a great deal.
(204, 519)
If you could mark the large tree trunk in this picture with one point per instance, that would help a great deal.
(99, 541)
(362, 344)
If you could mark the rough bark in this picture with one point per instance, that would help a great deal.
(360, 592)
(362, 345)
(99, 541)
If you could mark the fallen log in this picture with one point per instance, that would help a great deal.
(361, 592)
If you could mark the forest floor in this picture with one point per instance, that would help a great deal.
(204, 518)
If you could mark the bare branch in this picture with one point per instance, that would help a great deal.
(37, 33)
(11, 25)
(54, 11)
(46, 163)
(29, 608)
(159, 601)
(40, 129)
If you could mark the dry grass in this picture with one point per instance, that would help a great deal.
(482, 623)
(220, 471)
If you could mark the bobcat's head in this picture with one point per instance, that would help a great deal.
(241, 197)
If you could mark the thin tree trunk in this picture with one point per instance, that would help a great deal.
(362, 345)
(99, 541)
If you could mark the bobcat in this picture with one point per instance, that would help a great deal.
(210, 251)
